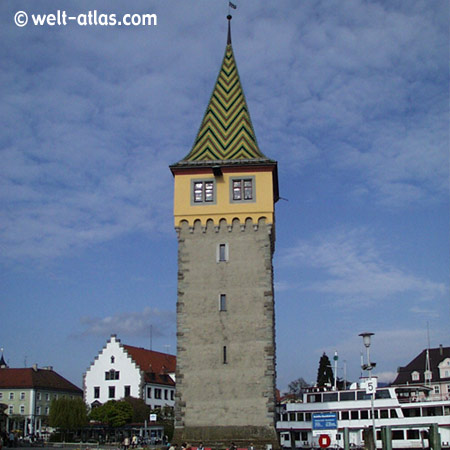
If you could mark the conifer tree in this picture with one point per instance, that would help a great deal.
(325, 375)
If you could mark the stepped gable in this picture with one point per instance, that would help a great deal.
(35, 378)
(226, 133)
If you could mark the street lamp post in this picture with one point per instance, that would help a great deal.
(369, 366)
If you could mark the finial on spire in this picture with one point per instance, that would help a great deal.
(229, 17)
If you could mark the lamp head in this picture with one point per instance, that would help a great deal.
(366, 338)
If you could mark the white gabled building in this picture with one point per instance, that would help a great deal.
(120, 371)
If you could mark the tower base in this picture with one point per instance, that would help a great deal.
(221, 437)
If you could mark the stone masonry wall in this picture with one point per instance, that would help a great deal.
(241, 392)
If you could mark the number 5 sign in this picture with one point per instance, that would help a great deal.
(371, 385)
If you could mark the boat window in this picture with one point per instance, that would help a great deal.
(432, 411)
(397, 435)
(344, 415)
(412, 434)
(364, 414)
(446, 410)
(308, 417)
(355, 415)
(383, 393)
(384, 413)
(330, 397)
(393, 414)
(345, 396)
(292, 417)
(411, 412)
(300, 417)
(361, 395)
(314, 398)
(375, 413)
(296, 435)
(304, 435)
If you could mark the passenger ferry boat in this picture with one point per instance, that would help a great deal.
(408, 410)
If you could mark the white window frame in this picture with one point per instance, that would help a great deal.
(415, 376)
(225, 257)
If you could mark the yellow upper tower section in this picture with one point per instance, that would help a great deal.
(225, 175)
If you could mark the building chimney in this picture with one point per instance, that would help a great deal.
(441, 350)
(35, 367)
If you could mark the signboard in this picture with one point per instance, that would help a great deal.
(371, 385)
(153, 417)
(324, 421)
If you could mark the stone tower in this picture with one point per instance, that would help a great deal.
(225, 192)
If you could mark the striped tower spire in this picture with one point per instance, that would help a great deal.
(226, 132)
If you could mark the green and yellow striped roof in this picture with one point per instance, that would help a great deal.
(226, 132)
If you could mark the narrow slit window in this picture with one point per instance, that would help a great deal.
(222, 252)
(225, 360)
(223, 302)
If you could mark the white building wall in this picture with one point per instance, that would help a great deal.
(155, 402)
(129, 374)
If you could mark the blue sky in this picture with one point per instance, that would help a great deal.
(351, 98)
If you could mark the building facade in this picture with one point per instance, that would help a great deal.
(430, 368)
(27, 394)
(120, 371)
(224, 197)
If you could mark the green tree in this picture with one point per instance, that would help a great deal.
(298, 386)
(68, 414)
(113, 413)
(325, 373)
(141, 411)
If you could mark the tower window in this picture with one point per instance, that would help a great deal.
(203, 191)
(223, 302)
(222, 253)
(242, 189)
(225, 356)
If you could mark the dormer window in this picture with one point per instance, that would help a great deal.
(415, 376)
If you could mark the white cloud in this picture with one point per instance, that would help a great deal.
(352, 269)
(135, 323)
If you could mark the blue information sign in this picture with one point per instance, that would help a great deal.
(324, 421)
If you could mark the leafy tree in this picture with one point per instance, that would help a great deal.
(141, 411)
(113, 413)
(68, 414)
(297, 387)
(325, 373)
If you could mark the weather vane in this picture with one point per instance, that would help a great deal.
(231, 5)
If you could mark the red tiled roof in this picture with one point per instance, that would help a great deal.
(151, 361)
(35, 378)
